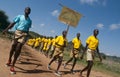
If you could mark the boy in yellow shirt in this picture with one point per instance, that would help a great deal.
(52, 47)
(45, 45)
(42, 44)
(76, 44)
(91, 47)
(36, 44)
(48, 46)
(60, 44)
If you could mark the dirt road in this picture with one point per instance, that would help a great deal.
(34, 64)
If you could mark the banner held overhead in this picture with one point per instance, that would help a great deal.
(69, 16)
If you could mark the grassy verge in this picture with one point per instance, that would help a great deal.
(107, 67)
(9, 35)
(112, 69)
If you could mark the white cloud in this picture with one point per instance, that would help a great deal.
(55, 13)
(100, 26)
(88, 1)
(91, 2)
(114, 26)
(42, 25)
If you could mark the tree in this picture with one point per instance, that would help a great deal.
(3, 20)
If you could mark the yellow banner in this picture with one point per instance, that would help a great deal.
(69, 16)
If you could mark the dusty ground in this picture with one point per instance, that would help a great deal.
(34, 64)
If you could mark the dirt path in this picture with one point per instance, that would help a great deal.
(34, 64)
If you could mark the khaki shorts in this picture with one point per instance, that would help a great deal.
(20, 36)
(52, 48)
(90, 55)
(76, 53)
(48, 47)
(58, 52)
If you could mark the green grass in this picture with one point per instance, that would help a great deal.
(8, 36)
(108, 67)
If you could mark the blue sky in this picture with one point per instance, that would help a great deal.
(101, 14)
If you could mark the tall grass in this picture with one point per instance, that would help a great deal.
(107, 66)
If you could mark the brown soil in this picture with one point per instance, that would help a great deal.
(34, 64)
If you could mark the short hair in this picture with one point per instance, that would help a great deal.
(78, 33)
(64, 31)
(28, 8)
(96, 30)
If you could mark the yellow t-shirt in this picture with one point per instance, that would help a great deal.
(39, 39)
(60, 41)
(76, 42)
(49, 41)
(42, 40)
(53, 42)
(36, 42)
(92, 42)
(45, 44)
(29, 42)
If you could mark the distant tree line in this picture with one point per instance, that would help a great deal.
(3, 20)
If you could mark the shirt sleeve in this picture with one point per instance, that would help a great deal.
(16, 19)
(57, 39)
(88, 40)
(73, 40)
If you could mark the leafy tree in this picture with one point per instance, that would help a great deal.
(3, 20)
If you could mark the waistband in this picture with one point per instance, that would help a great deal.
(76, 49)
(22, 31)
